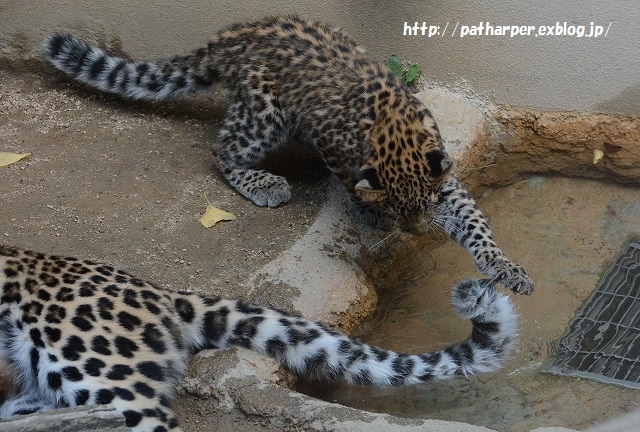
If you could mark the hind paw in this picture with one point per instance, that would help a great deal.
(23, 405)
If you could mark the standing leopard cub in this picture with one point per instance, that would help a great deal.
(287, 77)
(82, 333)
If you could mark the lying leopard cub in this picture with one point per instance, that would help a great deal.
(82, 333)
(290, 77)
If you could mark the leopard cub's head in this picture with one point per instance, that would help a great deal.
(406, 165)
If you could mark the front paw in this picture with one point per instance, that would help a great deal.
(511, 275)
(261, 187)
(270, 192)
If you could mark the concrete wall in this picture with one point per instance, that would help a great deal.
(550, 72)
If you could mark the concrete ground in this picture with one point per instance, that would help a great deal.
(126, 182)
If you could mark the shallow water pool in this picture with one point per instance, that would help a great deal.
(565, 232)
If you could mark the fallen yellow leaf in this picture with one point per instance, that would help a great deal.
(9, 158)
(597, 155)
(214, 215)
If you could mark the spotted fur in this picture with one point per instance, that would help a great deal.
(83, 333)
(287, 77)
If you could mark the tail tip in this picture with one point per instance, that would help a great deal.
(53, 43)
(472, 297)
(58, 43)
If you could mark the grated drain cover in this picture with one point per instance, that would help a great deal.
(603, 340)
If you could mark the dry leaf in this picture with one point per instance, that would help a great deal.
(214, 215)
(597, 155)
(9, 158)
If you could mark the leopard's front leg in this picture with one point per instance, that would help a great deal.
(459, 216)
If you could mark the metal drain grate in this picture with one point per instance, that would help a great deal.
(603, 340)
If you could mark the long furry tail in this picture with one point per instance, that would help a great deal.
(138, 80)
(311, 349)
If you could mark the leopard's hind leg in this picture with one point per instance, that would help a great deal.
(24, 403)
(254, 126)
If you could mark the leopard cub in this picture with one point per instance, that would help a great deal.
(288, 77)
(82, 333)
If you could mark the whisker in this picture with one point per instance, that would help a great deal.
(443, 217)
(444, 222)
(395, 232)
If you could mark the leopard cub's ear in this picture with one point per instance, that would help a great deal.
(439, 163)
(369, 189)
